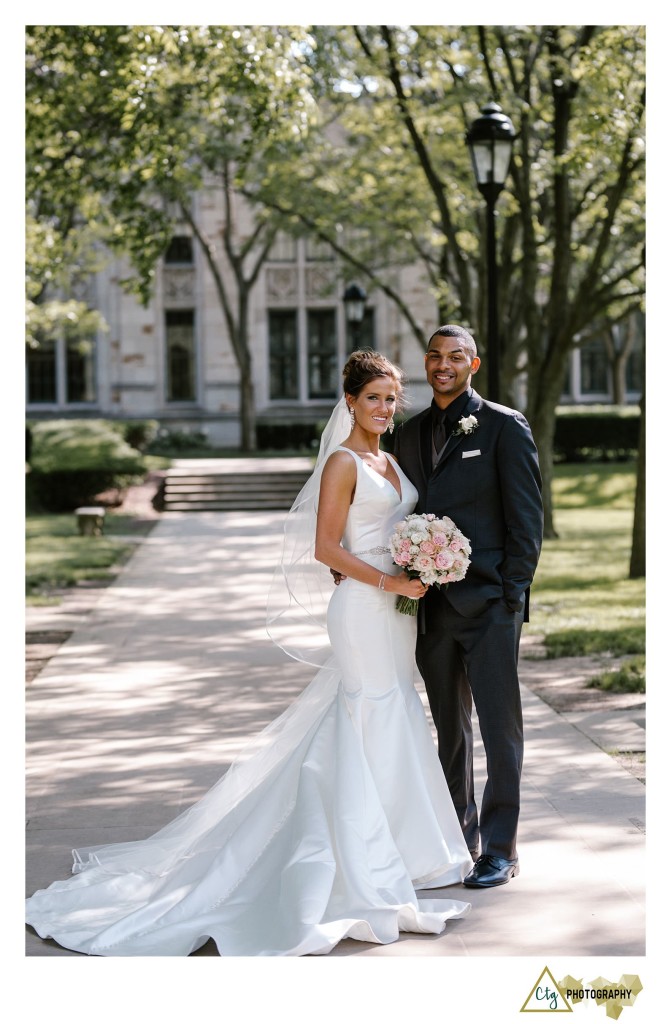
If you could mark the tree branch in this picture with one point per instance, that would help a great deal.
(208, 251)
(435, 183)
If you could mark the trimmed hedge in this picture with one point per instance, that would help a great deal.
(73, 460)
(166, 441)
(281, 436)
(582, 434)
(596, 433)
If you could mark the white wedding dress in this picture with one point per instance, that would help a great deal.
(322, 832)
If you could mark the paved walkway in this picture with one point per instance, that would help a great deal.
(156, 689)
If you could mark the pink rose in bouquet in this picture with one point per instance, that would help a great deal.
(431, 549)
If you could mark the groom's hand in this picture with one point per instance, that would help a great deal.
(338, 577)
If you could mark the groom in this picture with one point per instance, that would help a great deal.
(477, 463)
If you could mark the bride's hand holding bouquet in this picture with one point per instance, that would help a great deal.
(431, 550)
(407, 587)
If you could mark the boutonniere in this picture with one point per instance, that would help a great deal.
(466, 425)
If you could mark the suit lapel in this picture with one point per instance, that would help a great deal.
(424, 445)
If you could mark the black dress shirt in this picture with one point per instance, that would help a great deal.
(444, 421)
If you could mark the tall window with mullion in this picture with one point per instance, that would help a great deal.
(41, 372)
(180, 338)
(62, 371)
(322, 354)
(283, 353)
(593, 369)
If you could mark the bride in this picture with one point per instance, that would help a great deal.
(338, 811)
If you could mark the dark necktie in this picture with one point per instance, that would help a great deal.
(440, 434)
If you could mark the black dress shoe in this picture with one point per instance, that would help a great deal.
(488, 871)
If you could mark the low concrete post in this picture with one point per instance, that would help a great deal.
(90, 520)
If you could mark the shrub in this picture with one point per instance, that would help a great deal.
(274, 435)
(139, 434)
(73, 460)
(167, 441)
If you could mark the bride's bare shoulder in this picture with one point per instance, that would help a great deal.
(342, 461)
(338, 480)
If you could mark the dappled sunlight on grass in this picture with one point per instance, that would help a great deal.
(594, 485)
(582, 578)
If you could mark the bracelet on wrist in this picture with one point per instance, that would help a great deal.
(380, 585)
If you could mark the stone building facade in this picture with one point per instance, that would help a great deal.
(172, 361)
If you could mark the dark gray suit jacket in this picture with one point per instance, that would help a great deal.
(488, 482)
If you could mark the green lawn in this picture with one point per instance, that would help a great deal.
(582, 580)
(57, 556)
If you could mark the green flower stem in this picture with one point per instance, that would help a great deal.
(407, 605)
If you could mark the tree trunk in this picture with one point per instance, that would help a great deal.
(619, 379)
(618, 367)
(637, 560)
(543, 428)
(619, 341)
(247, 409)
(244, 357)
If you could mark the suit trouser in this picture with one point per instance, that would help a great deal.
(475, 659)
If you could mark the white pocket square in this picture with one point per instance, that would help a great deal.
(469, 455)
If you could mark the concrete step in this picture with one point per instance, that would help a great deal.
(239, 478)
(219, 491)
(233, 485)
(247, 503)
(232, 488)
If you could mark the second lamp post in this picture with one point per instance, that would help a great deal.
(490, 141)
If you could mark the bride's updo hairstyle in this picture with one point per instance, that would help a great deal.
(364, 366)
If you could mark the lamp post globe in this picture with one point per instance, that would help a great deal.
(490, 141)
(354, 298)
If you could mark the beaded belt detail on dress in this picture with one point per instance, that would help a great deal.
(373, 551)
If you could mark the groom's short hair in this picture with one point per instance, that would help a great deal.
(455, 331)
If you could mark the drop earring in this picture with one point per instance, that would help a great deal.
(352, 417)
(390, 428)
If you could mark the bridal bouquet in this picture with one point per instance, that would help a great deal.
(431, 549)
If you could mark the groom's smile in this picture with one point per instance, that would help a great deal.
(449, 367)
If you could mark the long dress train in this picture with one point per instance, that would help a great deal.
(323, 832)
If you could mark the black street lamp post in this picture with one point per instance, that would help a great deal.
(490, 141)
(354, 298)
